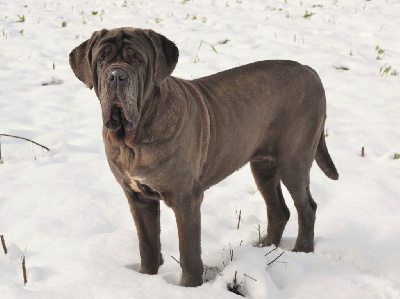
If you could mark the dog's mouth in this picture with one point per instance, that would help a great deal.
(118, 119)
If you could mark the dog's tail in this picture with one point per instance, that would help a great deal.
(324, 160)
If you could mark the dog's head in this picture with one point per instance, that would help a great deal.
(123, 65)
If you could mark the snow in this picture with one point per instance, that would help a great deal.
(64, 211)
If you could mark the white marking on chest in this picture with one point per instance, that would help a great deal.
(133, 183)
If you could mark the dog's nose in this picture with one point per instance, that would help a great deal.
(116, 77)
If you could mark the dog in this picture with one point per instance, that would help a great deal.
(170, 139)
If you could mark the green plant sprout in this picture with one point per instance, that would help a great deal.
(308, 15)
(386, 70)
(340, 67)
(223, 42)
(21, 19)
(380, 51)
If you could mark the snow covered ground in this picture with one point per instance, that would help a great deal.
(64, 211)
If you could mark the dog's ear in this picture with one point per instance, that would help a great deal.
(80, 60)
(166, 55)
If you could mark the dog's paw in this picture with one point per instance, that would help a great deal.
(188, 281)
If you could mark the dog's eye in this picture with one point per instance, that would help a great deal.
(101, 58)
(103, 55)
(134, 57)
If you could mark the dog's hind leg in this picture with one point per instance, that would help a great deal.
(266, 176)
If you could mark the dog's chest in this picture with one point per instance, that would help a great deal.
(137, 168)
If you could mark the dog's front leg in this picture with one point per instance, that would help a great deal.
(146, 214)
(188, 219)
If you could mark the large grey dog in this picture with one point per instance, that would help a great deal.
(170, 139)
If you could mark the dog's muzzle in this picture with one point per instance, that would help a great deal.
(117, 81)
(118, 119)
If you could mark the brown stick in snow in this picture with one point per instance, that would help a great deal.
(24, 270)
(2, 240)
(34, 142)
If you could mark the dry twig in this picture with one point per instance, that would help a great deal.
(4, 244)
(259, 235)
(23, 138)
(24, 270)
(250, 277)
(174, 258)
(1, 161)
(270, 263)
(239, 217)
(26, 139)
(234, 287)
(271, 251)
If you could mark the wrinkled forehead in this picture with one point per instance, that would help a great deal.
(122, 37)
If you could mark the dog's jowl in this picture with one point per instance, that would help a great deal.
(170, 139)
